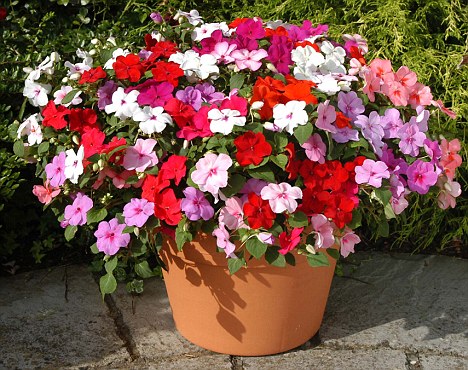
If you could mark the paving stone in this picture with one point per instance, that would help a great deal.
(429, 362)
(56, 318)
(150, 322)
(402, 301)
(324, 359)
(187, 363)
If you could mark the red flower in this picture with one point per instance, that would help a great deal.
(180, 112)
(163, 49)
(92, 75)
(167, 72)
(268, 91)
(339, 208)
(113, 144)
(3, 13)
(174, 168)
(167, 207)
(251, 148)
(55, 116)
(293, 166)
(153, 185)
(258, 212)
(128, 67)
(342, 121)
(289, 242)
(198, 126)
(92, 141)
(82, 120)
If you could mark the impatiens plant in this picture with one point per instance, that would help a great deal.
(271, 137)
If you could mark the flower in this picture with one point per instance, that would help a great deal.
(273, 138)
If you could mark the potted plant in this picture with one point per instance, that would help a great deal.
(265, 141)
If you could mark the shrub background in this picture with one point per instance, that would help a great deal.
(429, 36)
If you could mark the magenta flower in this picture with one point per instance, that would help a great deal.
(155, 95)
(140, 156)
(105, 94)
(372, 173)
(251, 29)
(326, 116)
(190, 96)
(156, 17)
(421, 176)
(110, 237)
(55, 170)
(75, 214)
(279, 53)
(223, 242)
(211, 172)
(315, 148)
(281, 197)
(195, 206)
(350, 104)
(137, 212)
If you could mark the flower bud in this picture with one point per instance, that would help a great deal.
(76, 139)
(55, 57)
(156, 17)
(65, 80)
(186, 144)
(271, 67)
(52, 140)
(310, 249)
(256, 115)
(101, 163)
(257, 105)
(92, 52)
(94, 41)
(75, 76)
(95, 167)
(111, 40)
(136, 231)
(27, 70)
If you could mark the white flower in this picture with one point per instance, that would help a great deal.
(36, 92)
(193, 17)
(205, 30)
(74, 164)
(333, 53)
(152, 119)
(85, 65)
(46, 66)
(290, 115)
(327, 84)
(116, 53)
(124, 105)
(224, 120)
(64, 90)
(31, 128)
(195, 65)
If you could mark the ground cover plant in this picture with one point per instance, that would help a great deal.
(428, 36)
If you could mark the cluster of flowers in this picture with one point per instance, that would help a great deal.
(270, 135)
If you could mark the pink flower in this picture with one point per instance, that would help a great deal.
(232, 215)
(323, 231)
(289, 242)
(45, 193)
(421, 176)
(246, 59)
(140, 156)
(56, 170)
(411, 139)
(372, 173)
(449, 190)
(223, 242)
(420, 95)
(315, 148)
(137, 212)
(75, 214)
(348, 241)
(211, 172)
(399, 204)
(195, 205)
(281, 197)
(110, 237)
(372, 85)
(397, 93)
(326, 116)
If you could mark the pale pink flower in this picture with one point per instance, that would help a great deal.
(372, 172)
(399, 204)
(223, 242)
(140, 156)
(326, 116)
(323, 231)
(449, 191)
(232, 215)
(211, 172)
(348, 241)
(420, 95)
(315, 148)
(281, 197)
(246, 59)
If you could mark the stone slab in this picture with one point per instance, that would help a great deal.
(429, 362)
(150, 323)
(324, 359)
(56, 319)
(207, 362)
(416, 303)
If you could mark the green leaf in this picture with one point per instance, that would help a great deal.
(383, 195)
(69, 97)
(389, 213)
(356, 221)
(275, 258)
(303, 133)
(333, 253)
(110, 265)
(281, 140)
(182, 236)
(70, 232)
(18, 148)
(236, 81)
(290, 259)
(107, 284)
(143, 270)
(281, 160)
(383, 229)
(94, 249)
(95, 215)
(318, 260)
(234, 264)
(255, 247)
(262, 173)
(43, 147)
(298, 219)
(235, 184)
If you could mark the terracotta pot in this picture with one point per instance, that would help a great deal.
(259, 310)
